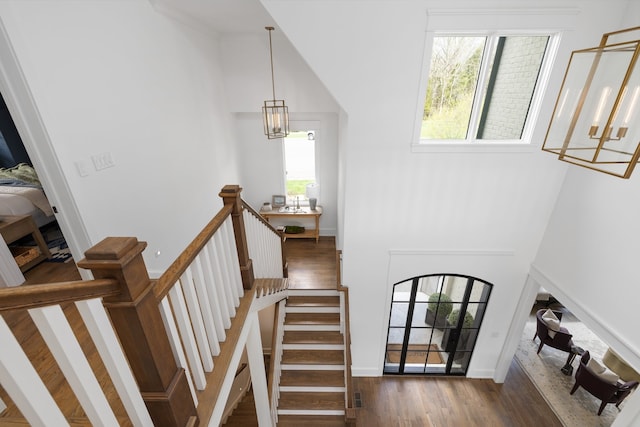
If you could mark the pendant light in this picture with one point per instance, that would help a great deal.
(274, 113)
(595, 121)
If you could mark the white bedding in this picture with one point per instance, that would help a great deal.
(25, 201)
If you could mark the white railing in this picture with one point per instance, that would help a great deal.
(22, 382)
(200, 305)
(202, 300)
(276, 360)
(265, 246)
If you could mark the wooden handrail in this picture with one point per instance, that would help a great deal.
(350, 410)
(175, 270)
(255, 213)
(272, 359)
(35, 296)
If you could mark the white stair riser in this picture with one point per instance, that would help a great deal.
(313, 347)
(303, 389)
(309, 412)
(312, 309)
(314, 292)
(311, 327)
(307, 367)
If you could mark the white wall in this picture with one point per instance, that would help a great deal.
(117, 77)
(481, 213)
(248, 84)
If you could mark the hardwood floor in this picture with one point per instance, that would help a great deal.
(393, 400)
(311, 265)
(420, 401)
(34, 346)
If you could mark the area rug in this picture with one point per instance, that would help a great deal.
(59, 250)
(56, 243)
(581, 408)
(416, 353)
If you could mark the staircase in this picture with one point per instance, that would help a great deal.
(312, 383)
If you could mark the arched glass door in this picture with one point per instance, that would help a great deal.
(433, 324)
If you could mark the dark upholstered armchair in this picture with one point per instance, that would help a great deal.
(602, 389)
(561, 340)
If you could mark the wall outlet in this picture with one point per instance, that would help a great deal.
(103, 161)
(83, 167)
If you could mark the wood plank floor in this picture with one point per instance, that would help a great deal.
(34, 346)
(406, 401)
(394, 400)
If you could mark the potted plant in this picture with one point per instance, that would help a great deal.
(452, 321)
(439, 306)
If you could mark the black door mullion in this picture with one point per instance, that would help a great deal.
(407, 325)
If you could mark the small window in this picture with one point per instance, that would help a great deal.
(481, 88)
(300, 164)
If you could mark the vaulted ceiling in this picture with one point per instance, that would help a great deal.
(221, 16)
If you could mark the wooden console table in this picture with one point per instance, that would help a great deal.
(301, 213)
(13, 228)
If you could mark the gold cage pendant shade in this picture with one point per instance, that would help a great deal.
(276, 119)
(275, 114)
(595, 119)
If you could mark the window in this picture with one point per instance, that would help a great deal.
(481, 88)
(299, 163)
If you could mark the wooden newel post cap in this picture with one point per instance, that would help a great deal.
(119, 258)
(112, 249)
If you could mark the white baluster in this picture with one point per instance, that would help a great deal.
(188, 282)
(97, 322)
(21, 381)
(176, 345)
(188, 340)
(66, 350)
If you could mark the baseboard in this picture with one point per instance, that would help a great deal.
(365, 372)
(481, 373)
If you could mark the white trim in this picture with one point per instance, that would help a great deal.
(25, 114)
(310, 412)
(593, 321)
(302, 389)
(306, 367)
(454, 252)
(326, 327)
(464, 21)
(313, 346)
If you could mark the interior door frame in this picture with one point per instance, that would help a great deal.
(26, 116)
(454, 333)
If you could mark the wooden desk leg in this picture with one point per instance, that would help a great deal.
(317, 228)
(44, 249)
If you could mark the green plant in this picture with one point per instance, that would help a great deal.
(441, 302)
(453, 319)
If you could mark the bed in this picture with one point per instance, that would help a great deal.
(21, 194)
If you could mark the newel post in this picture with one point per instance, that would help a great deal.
(136, 318)
(231, 196)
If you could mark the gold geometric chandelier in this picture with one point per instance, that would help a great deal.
(275, 114)
(595, 120)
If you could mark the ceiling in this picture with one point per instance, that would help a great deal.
(222, 16)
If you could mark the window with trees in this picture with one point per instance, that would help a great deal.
(300, 164)
(481, 88)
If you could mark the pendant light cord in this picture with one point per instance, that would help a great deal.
(273, 85)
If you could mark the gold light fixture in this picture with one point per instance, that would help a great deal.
(275, 113)
(595, 120)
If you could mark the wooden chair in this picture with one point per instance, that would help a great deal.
(606, 391)
(561, 340)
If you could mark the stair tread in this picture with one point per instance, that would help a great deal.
(311, 420)
(312, 337)
(301, 378)
(313, 301)
(311, 400)
(312, 319)
(317, 357)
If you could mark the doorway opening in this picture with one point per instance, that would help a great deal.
(434, 323)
